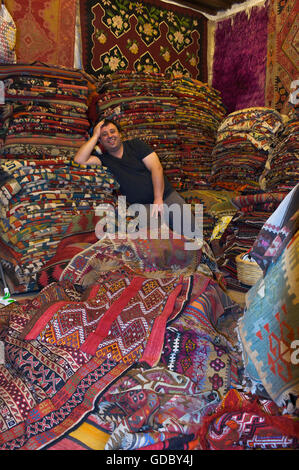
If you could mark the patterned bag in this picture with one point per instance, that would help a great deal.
(7, 37)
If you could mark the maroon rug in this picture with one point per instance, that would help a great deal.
(239, 69)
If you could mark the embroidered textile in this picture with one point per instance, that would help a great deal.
(150, 257)
(114, 310)
(277, 231)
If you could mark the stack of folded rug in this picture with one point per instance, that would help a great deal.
(240, 235)
(45, 123)
(177, 117)
(38, 204)
(244, 140)
(282, 167)
(45, 111)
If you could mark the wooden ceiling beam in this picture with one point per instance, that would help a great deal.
(199, 6)
(209, 6)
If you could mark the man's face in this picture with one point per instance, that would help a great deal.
(110, 138)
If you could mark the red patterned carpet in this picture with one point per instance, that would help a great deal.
(45, 30)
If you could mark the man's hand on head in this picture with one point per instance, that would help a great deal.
(97, 129)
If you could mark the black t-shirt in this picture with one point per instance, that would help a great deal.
(134, 178)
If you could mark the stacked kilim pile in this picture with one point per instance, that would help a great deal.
(252, 212)
(244, 140)
(177, 117)
(45, 111)
(255, 149)
(282, 167)
(46, 123)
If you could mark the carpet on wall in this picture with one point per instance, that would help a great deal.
(282, 56)
(239, 68)
(142, 37)
(45, 30)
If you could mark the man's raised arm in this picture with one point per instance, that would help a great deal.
(83, 156)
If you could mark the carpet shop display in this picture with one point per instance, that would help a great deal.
(178, 117)
(45, 111)
(113, 292)
(104, 358)
(46, 123)
(113, 342)
(38, 205)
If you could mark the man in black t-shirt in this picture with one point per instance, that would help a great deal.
(135, 166)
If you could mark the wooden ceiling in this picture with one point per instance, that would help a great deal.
(212, 7)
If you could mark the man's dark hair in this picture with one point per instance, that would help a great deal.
(110, 121)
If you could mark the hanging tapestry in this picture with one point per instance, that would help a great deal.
(46, 30)
(239, 68)
(282, 56)
(142, 37)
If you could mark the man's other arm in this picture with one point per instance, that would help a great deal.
(153, 164)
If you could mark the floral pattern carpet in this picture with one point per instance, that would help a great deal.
(142, 37)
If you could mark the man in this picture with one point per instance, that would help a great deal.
(135, 166)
